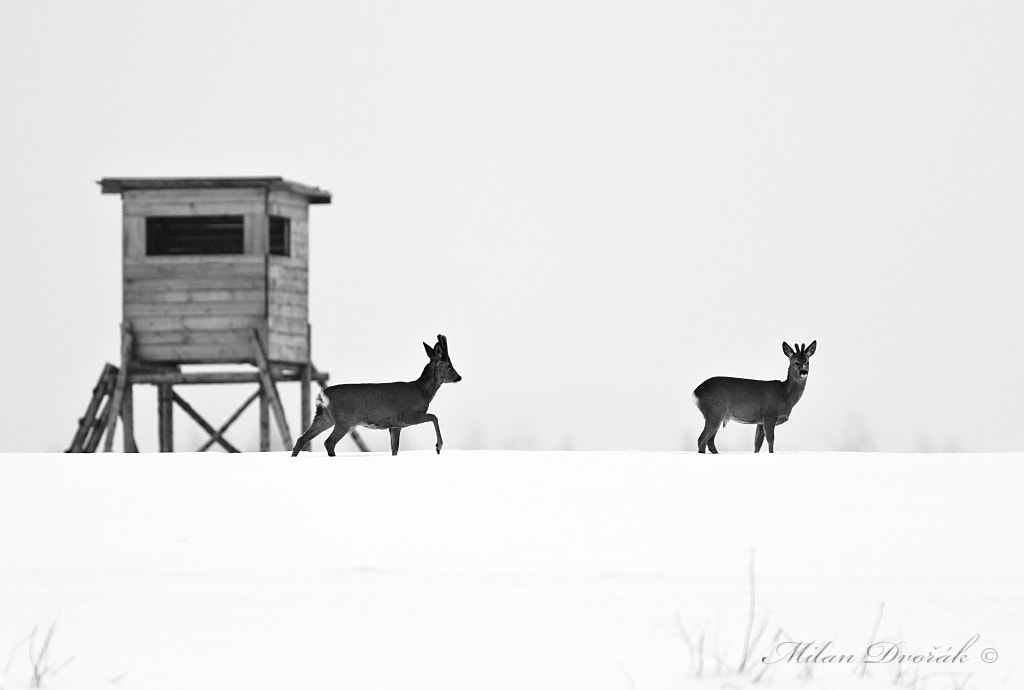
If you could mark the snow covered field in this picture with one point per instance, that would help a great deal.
(508, 569)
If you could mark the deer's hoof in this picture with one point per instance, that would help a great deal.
(438, 446)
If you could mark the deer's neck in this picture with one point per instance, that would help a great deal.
(794, 388)
(428, 382)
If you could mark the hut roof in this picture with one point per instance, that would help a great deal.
(116, 185)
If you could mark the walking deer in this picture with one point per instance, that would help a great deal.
(391, 406)
(764, 403)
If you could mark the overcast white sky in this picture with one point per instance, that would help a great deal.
(600, 204)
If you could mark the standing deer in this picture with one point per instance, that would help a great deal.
(390, 406)
(764, 403)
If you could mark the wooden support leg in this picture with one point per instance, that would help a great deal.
(358, 440)
(118, 394)
(165, 411)
(128, 418)
(269, 388)
(264, 421)
(305, 414)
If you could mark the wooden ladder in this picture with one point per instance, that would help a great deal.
(92, 425)
(111, 392)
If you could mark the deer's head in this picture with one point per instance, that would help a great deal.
(444, 371)
(799, 364)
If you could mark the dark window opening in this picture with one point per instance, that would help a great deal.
(280, 236)
(183, 235)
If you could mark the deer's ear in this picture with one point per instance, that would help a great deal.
(439, 350)
(811, 348)
(787, 350)
(430, 350)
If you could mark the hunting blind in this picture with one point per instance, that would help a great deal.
(215, 272)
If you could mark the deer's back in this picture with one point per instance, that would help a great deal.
(376, 405)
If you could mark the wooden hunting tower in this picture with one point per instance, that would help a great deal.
(215, 271)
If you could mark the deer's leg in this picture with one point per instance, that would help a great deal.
(769, 433)
(340, 429)
(707, 437)
(758, 438)
(702, 440)
(427, 417)
(396, 431)
(321, 421)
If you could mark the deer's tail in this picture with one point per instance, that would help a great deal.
(322, 405)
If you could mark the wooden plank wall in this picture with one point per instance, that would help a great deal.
(195, 309)
(287, 310)
(202, 309)
(288, 284)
